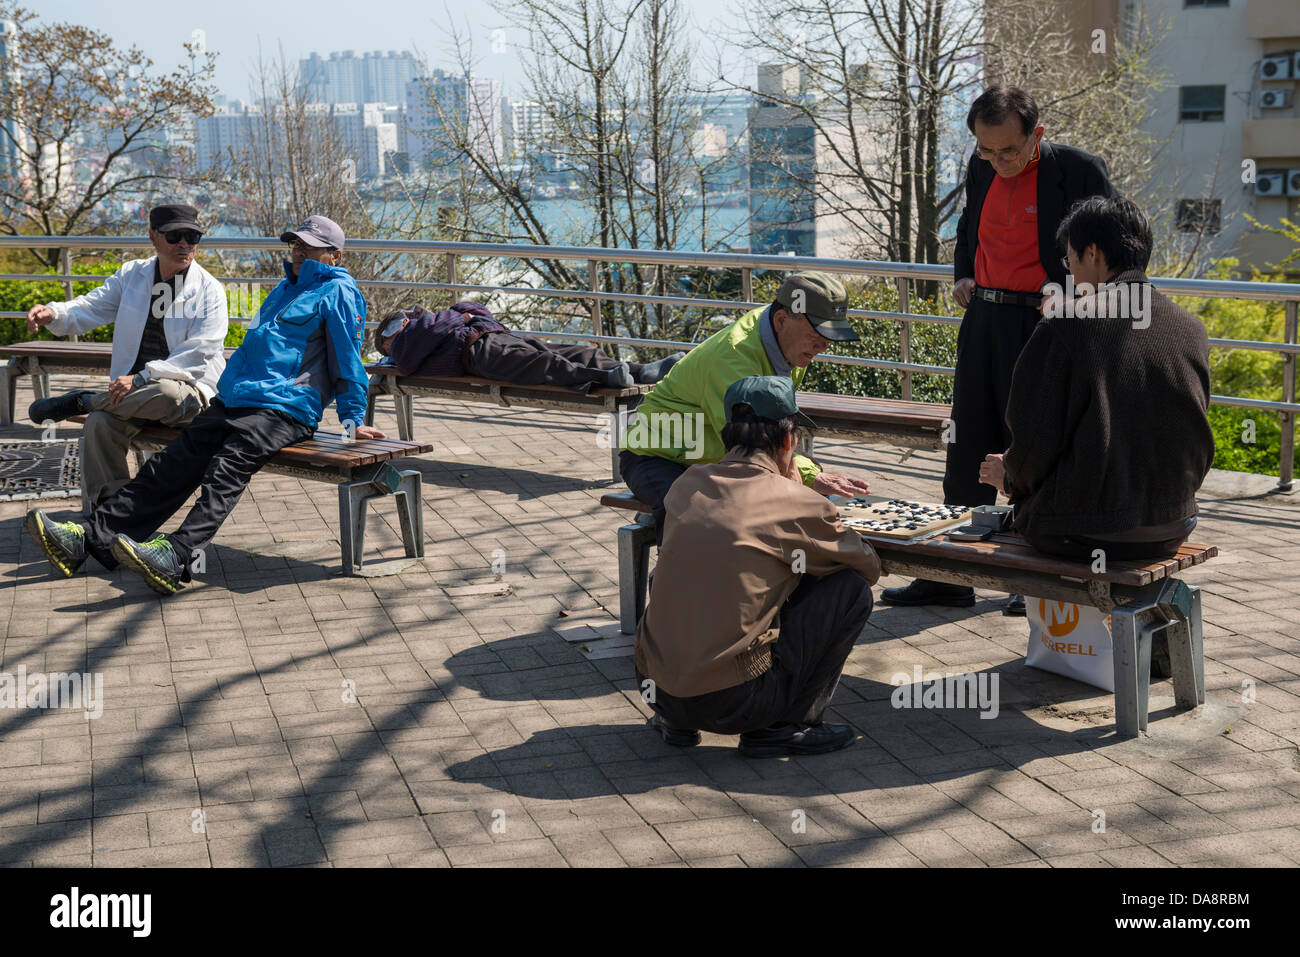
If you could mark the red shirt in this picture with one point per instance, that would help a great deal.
(1007, 254)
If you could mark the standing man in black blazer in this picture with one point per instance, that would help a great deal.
(1018, 189)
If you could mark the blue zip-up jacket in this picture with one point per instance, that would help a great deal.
(303, 351)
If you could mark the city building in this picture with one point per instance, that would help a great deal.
(791, 167)
(373, 77)
(1231, 111)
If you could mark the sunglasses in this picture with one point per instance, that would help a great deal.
(188, 235)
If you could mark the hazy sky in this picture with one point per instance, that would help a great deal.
(235, 28)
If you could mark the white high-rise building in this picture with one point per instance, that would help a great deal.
(373, 77)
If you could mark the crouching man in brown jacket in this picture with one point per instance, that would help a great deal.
(759, 593)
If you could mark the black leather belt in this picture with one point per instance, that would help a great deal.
(1006, 297)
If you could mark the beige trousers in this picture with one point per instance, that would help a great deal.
(107, 435)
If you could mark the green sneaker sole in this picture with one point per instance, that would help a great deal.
(56, 555)
(162, 584)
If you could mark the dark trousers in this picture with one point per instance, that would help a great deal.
(221, 450)
(989, 342)
(819, 624)
(527, 360)
(1081, 548)
(649, 478)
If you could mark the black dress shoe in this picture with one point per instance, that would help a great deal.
(925, 592)
(782, 739)
(59, 407)
(677, 737)
(1015, 606)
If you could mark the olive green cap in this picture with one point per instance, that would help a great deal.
(824, 301)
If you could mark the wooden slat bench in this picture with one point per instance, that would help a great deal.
(41, 359)
(890, 421)
(617, 403)
(361, 468)
(1141, 598)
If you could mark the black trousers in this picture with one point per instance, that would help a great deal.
(527, 360)
(819, 624)
(989, 342)
(221, 449)
(649, 478)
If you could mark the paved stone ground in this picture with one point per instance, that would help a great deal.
(478, 734)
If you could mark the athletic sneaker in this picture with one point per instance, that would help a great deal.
(64, 543)
(155, 559)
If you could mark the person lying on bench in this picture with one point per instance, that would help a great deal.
(169, 325)
(302, 351)
(679, 424)
(759, 593)
(467, 340)
(1107, 412)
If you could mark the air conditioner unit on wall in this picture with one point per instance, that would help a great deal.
(1276, 67)
(1274, 99)
(1270, 184)
(1293, 182)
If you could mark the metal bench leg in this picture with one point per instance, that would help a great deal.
(9, 374)
(1187, 656)
(41, 385)
(634, 543)
(377, 483)
(1131, 637)
(410, 513)
(621, 415)
(352, 523)
(370, 407)
(405, 417)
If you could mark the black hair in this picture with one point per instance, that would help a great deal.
(1115, 225)
(749, 433)
(379, 339)
(994, 105)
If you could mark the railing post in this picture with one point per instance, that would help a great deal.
(451, 277)
(593, 284)
(904, 337)
(1285, 478)
(65, 266)
(747, 284)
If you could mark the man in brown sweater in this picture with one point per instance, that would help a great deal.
(1107, 413)
(759, 593)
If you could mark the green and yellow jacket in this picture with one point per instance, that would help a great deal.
(665, 423)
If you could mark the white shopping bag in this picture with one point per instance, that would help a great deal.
(1072, 640)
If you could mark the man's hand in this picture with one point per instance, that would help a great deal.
(119, 387)
(994, 472)
(832, 483)
(38, 316)
(369, 432)
(962, 291)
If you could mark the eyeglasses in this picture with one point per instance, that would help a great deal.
(188, 235)
(306, 247)
(1010, 153)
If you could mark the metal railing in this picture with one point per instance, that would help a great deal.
(901, 274)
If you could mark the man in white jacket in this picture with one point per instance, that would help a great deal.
(169, 331)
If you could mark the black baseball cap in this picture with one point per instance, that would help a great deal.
(316, 231)
(770, 396)
(173, 216)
